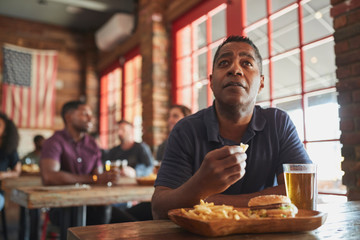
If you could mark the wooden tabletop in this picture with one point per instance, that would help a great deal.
(38, 196)
(23, 180)
(343, 222)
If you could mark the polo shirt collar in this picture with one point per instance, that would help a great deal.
(256, 124)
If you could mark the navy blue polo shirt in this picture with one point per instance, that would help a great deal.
(272, 140)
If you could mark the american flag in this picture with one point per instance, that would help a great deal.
(28, 89)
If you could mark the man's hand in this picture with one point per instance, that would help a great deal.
(220, 169)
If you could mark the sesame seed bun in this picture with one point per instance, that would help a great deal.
(268, 200)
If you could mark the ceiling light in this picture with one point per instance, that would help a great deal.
(313, 60)
(318, 15)
(73, 9)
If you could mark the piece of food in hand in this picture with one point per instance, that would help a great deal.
(273, 206)
(210, 211)
(244, 147)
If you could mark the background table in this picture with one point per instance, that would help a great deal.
(38, 196)
(343, 222)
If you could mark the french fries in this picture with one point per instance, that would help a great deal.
(244, 147)
(209, 211)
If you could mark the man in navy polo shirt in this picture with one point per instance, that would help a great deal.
(204, 160)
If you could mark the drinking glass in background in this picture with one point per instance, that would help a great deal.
(301, 185)
(112, 165)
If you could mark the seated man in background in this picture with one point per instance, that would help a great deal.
(34, 156)
(203, 158)
(139, 163)
(137, 155)
(71, 156)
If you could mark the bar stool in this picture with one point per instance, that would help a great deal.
(3, 223)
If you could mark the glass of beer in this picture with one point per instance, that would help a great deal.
(301, 185)
(112, 165)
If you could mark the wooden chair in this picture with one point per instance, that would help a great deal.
(3, 223)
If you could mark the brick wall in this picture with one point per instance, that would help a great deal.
(346, 19)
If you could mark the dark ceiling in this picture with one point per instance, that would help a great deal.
(81, 15)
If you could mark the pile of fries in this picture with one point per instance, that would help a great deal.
(209, 211)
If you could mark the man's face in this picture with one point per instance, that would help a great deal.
(236, 78)
(81, 118)
(124, 132)
(175, 114)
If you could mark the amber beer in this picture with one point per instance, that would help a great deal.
(301, 185)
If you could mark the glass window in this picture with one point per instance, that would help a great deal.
(295, 111)
(259, 36)
(322, 117)
(256, 10)
(264, 95)
(285, 32)
(317, 20)
(192, 72)
(320, 66)
(287, 79)
(280, 4)
(218, 21)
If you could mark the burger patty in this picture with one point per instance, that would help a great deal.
(271, 206)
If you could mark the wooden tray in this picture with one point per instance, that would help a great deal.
(305, 220)
(147, 182)
(62, 188)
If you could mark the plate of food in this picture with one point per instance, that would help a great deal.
(147, 180)
(211, 220)
(30, 168)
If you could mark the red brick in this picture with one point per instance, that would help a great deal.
(348, 58)
(340, 22)
(345, 97)
(353, 194)
(352, 138)
(354, 42)
(334, 2)
(350, 166)
(343, 72)
(356, 96)
(343, 7)
(348, 84)
(347, 125)
(349, 179)
(354, 16)
(341, 47)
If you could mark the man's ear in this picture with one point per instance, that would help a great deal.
(210, 77)
(261, 85)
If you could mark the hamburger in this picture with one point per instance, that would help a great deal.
(273, 206)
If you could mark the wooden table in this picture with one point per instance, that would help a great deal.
(35, 197)
(343, 222)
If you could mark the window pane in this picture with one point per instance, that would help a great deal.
(279, 4)
(285, 32)
(322, 117)
(294, 109)
(201, 92)
(256, 9)
(320, 67)
(201, 35)
(264, 95)
(327, 155)
(184, 72)
(186, 96)
(202, 66)
(185, 38)
(287, 79)
(260, 37)
(317, 20)
(218, 25)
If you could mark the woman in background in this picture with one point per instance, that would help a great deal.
(176, 113)
(10, 166)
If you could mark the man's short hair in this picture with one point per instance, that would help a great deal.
(38, 138)
(70, 106)
(125, 122)
(240, 39)
(184, 109)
